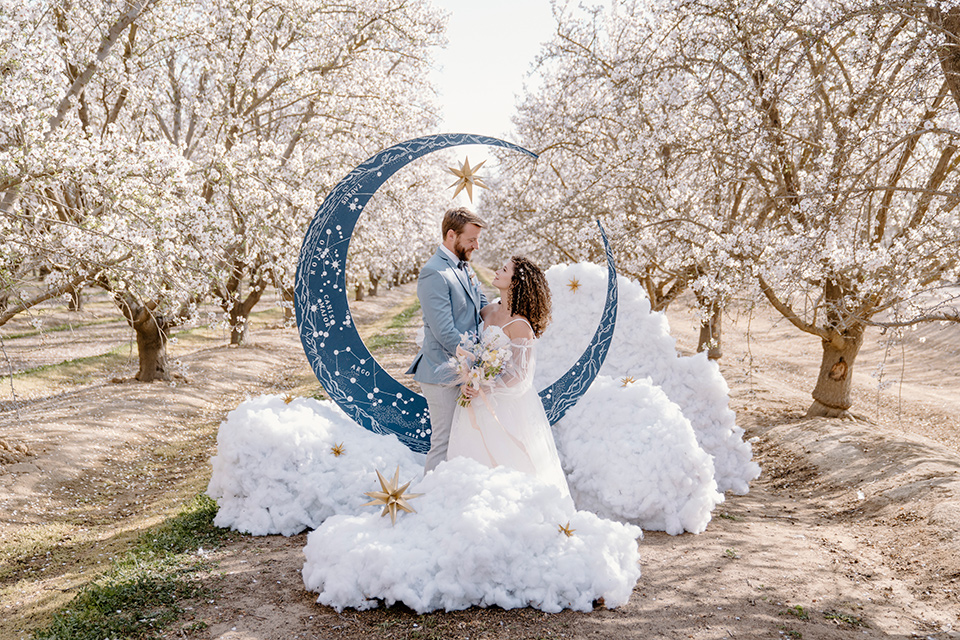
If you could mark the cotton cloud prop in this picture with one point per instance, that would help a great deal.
(481, 537)
(657, 452)
(642, 347)
(275, 471)
(646, 467)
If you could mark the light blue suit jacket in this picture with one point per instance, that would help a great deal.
(451, 306)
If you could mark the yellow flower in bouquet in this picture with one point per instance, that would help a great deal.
(479, 360)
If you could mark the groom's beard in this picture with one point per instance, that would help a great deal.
(461, 251)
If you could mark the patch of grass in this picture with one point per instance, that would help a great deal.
(732, 554)
(797, 611)
(485, 275)
(403, 318)
(30, 543)
(123, 605)
(387, 336)
(139, 596)
(729, 516)
(850, 619)
(383, 340)
(190, 530)
(791, 633)
(79, 369)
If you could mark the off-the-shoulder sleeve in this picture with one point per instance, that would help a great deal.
(517, 375)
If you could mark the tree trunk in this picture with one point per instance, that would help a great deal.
(151, 328)
(240, 314)
(949, 51)
(288, 311)
(832, 397)
(359, 293)
(374, 286)
(76, 299)
(710, 333)
(151, 346)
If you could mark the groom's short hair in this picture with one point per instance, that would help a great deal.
(458, 218)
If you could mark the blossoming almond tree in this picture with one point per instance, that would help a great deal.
(858, 173)
(86, 194)
(190, 152)
(808, 148)
(274, 103)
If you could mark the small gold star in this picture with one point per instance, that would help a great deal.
(627, 381)
(391, 497)
(288, 398)
(337, 450)
(574, 284)
(566, 530)
(467, 178)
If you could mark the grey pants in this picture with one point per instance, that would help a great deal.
(442, 402)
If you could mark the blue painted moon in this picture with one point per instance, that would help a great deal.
(564, 393)
(343, 365)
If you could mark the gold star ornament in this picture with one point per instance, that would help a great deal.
(288, 398)
(337, 450)
(627, 381)
(574, 284)
(566, 530)
(467, 178)
(392, 497)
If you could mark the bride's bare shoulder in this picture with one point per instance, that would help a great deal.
(518, 328)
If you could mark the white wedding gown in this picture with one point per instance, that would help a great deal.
(506, 425)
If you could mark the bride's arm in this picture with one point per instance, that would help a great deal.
(517, 371)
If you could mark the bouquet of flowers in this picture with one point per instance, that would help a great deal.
(479, 360)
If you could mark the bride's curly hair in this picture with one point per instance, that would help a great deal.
(530, 294)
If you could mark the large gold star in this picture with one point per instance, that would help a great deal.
(337, 450)
(391, 497)
(566, 530)
(627, 381)
(574, 284)
(467, 178)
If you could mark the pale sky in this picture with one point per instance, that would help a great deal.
(492, 46)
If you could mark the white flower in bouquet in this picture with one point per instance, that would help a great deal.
(479, 360)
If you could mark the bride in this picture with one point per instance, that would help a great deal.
(504, 422)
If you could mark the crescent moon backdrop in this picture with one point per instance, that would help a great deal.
(565, 392)
(343, 365)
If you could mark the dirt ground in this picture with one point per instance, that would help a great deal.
(852, 531)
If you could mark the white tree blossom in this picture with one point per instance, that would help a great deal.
(804, 151)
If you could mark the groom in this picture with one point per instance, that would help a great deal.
(451, 299)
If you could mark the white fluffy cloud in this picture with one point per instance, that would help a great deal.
(275, 471)
(642, 347)
(480, 536)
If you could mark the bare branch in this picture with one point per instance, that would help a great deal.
(787, 312)
(22, 305)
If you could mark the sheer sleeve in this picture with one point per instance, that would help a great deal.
(517, 374)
